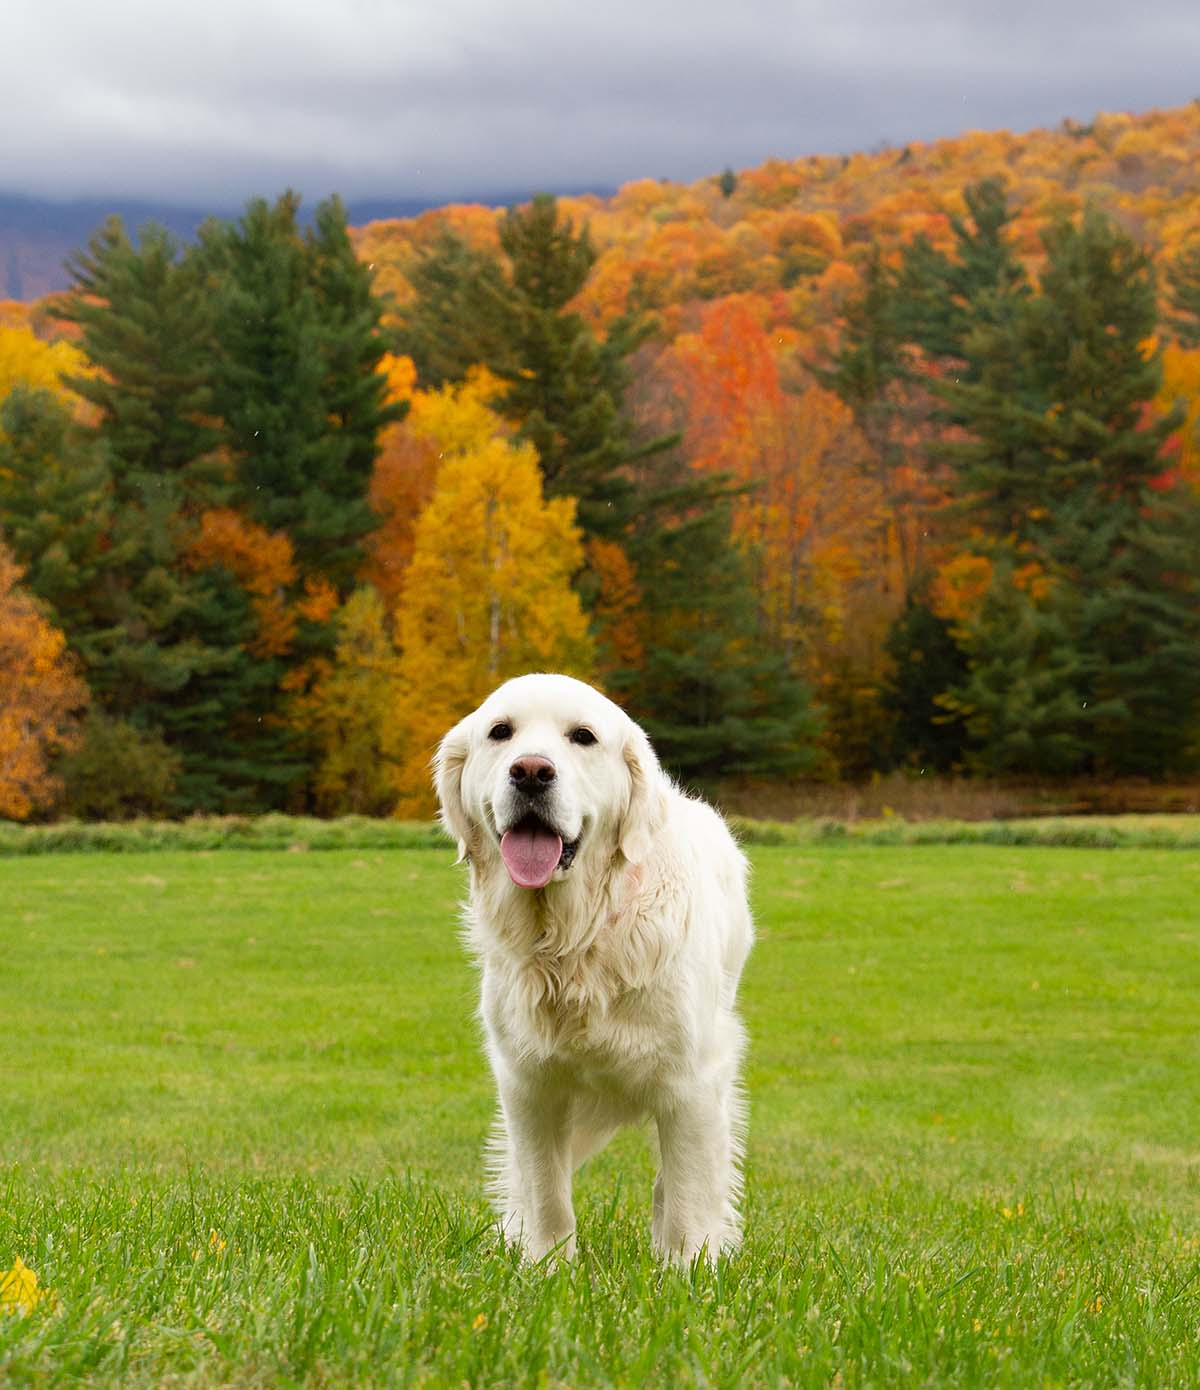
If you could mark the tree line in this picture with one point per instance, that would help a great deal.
(266, 535)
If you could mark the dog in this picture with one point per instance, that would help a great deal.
(608, 914)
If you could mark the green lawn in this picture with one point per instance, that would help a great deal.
(242, 1104)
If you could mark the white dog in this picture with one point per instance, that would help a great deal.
(608, 914)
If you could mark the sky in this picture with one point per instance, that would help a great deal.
(208, 102)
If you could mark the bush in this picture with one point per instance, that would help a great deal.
(118, 772)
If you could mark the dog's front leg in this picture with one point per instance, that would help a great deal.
(535, 1178)
(696, 1190)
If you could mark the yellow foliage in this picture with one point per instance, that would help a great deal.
(349, 711)
(25, 360)
(1181, 382)
(457, 417)
(488, 596)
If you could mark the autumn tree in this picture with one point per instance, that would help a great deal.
(488, 596)
(29, 361)
(350, 712)
(41, 699)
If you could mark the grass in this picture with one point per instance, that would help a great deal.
(243, 1106)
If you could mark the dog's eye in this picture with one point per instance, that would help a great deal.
(500, 732)
(585, 737)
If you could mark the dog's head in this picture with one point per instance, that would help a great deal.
(545, 770)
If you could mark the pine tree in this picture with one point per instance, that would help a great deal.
(459, 315)
(941, 300)
(56, 502)
(1183, 274)
(718, 700)
(1024, 700)
(145, 321)
(926, 661)
(166, 646)
(295, 384)
(564, 386)
(1064, 471)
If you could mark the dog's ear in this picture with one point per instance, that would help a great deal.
(647, 807)
(448, 763)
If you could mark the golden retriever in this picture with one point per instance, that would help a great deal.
(608, 914)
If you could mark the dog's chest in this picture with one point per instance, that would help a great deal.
(580, 1014)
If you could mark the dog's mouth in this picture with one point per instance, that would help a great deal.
(532, 851)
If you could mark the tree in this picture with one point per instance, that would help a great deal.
(1023, 700)
(563, 386)
(146, 324)
(488, 596)
(1065, 468)
(870, 373)
(296, 384)
(41, 699)
(941, 300)
(1183, 275)
(350, 710)
(26, 360)
(56, 513)
(718, 700)
(926, 662)
(458, 316)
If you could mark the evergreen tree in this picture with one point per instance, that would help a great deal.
(56, 511)
(165, 643)
(564, 385)
(1063, 471)
(1060, 407)
(459, 316)
(718, 701)
(926, 662)
(1024, 700)
(295, 382)
(941, 300)
(1183, 275)
(145, 320)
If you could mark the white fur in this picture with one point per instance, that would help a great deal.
(607, 995)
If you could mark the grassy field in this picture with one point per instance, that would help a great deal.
(243, 1104)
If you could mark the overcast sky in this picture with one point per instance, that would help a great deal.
(206, 102)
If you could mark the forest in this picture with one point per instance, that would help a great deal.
(838, 466)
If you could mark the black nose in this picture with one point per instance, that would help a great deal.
(532, 774)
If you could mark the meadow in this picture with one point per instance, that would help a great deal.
(244, 1104)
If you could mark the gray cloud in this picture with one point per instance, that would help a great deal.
(208, 101)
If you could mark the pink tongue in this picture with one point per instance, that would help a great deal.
(531, 854)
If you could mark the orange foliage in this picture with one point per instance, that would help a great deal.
(960, 587)
(615, 609)
(811, 497)
(41, 697)
(263, 564)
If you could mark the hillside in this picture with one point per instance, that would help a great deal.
(798, 227)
